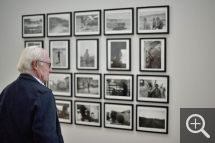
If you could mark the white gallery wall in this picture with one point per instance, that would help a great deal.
(190, 59)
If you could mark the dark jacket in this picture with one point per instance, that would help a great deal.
(28, 113)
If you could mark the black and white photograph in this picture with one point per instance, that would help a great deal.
(153, 54)
(59, 24)
(60, 84)
(118, 116)
(153, 20)
(87, 85)
(87, 57)
(38, 43)
(87, 23)
(118, 87)
(153, 88)
(119, 21)
(152, 119)
(33, 26)
(88, 113)
(59, 54)
(64, 111)
(119, 54)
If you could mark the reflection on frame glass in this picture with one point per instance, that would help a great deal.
(118, 21)
(64, 111)
(88, 113)
(153, 20)
(153, 54)
(59, 54)
(119, 54)
(118, 87)
(59, 24)
(38, 43)
(60, 84)
(152, 119)
(118, 116)
(153, 88)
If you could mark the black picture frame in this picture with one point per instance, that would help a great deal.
(118, 116)
(64, 111)
(59, 24)
(33, 26)
(60, 84)
(119, 21)
(59, 52)
(87, 85)
(87, 54)
(118, 87)
(118, 54)
(153, 88)
(38, 43)
(152, 54)
(87, 23)
(156, 115)
(88, 113)
(152, 20)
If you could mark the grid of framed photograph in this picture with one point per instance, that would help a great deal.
(87, 57)
(118, 116)
(87, 85)
(38, 43)
(119, 54)
(60, 84)
(33, 26)
(64, 111)
(153, 54)
(59, 54)
(153, 88)
(152, 20)
(87, 23)
(118, 87)
(59, 24)
(152, 119)
(88, 113)
(119, 21)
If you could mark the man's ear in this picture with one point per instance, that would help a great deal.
(35, 65)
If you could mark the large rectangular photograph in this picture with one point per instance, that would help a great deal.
(64, 111)
(153, 88)
(59, 51)
(153, 54)
(153, 20)
(119, 21)
(118, 87)
(88, 113)
(33, 26)
(38, 43)
(87, 85)
(118, 116)
(60, 84)
(119, 54)
(152, 119)
(87, 57)
(59, 24)
(87, 23)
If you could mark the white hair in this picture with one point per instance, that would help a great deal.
(29, 54)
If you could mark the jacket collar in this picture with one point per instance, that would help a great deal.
(27, 76)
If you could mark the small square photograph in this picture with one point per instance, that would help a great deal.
(153, 88)
(88, 113)
(38, 43)
(64, 111)
(87, 54)
(119, 54)
(152, 119)
(60, 84)
(59, 54)
(87, 85)
(119, 116)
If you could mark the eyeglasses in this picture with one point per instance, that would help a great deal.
(49, 64)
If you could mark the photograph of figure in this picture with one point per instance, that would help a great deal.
(64, 111)
(59, 57)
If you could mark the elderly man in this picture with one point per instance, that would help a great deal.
(27, 107)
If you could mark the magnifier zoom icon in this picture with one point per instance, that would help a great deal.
(196, 123)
